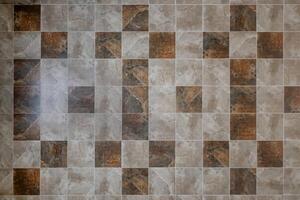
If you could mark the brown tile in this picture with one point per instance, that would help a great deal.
(54, 45)
(27, 17)
(26, 181)
(243, 181)
(243, 72)
(54, 154)
(27, 100)
(135, 72)
(162, 45)
(107, 154)
(135, 18)
(108, 45)
(216, 154)
(161, 153)
(215, 44)
(269, 45)
(26, 127)
(189, 99)
(292, 99)
(135, 127)
(135, 99)
(243, 99)
(242, 127)
(269, 154)
(26, 72)
(135, 181)
(81, 99)
(242, 17)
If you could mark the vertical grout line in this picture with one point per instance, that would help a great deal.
(13, 96)
(229, 134)
(175, 85)
(121, 63)
(283, 114)
(202, 157)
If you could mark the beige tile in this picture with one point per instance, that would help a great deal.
(54, 181)
(188, 126)
(269, 126)
(216, 18)
(291, 72)
(242, 154)
(269, 72)
(216, 72)
(188, 72)
(291, 126)
(108, 181)
(291, 17)
(216, 127)
(189, 45)
(26, 154)
(81, 154)
(162, 181)
(108, 18)
(135, 44)
(269, 181)
(161, 72)
(188, 181)
(135, 154)
(291, 44)
(215, 99)
(6, 183)
(269, 18)
(291, 153)
(162, 99)
(162, 18)
(81, 181)
(216, 181)
(188, 154)
(188, 17)
(270, 99)
(162, 126)
(291, 180)
(242, 44)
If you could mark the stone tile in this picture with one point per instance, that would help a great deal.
(161, 181)
(81, 73)
(27, 17)
(6, 127)
(162, 1)
(291, 180)
(108, 45)
(81, 18)
(188, 72)
(242, 72)
(135, 154)
(162, 99)
(81, 181)
(188, 181)
(135, 72)
(135, 17)
(108, 72)
(6, 183)
(108, 181)
(81, 99)
(269, 72)
(243, 45)
(108, 18)
(161, 72)
(26, 181)
(161, 153)
(216, 127)
(270, 45)
(242, 126)
(6, 18)
(26, 45)
(216, 17)
(215, 44)
(81, 126)
(216, 72)
(243, 197)
(162, 17)
(26, 100)
(188, 1)
(6, 72)
(54, 181)
(270, 99)
(243, 154)
(188, 197)
(269, 153)
(26, 127)
(290, 45)
(81, 45)
(218, 197)
(108, 126)
(189, 154)
(108, 99)
(162, 45)
(135, 44)
(7, 98)
(291, 99)
(269, 126)
(134, 126)
(135, 99)
(26, 72)
(53, 154)
(291, 126)
(54, 72)
(107, 154)
(189, 99)
(216, 154)
(54, 17)
(6, 154)
(189, 45)
(269, 18)
(162, 126)
(189, 17)
(243, 99)
(81, 154)
(242, 18)
(291, 72)
(54, 99)
(269, 181)
(129, 179)
(215, 99)
(215, 181)
(291, 17)
(243, 181)
(188, 126)
(6, 50)
(54, 45)
(26, 154)
(291, 153)
(103, 197)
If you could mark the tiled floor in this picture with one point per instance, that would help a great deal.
(149, 99)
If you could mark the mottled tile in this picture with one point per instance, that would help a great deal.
(54, 181)
(26, 181)
(270, 99)
(54, 72)
(189, 99)
(269, 181)
(81, 72)
(162, 45)
(291, 180)
(26, 127)
(188, 126)
(6, 50)
(270, 45)
(81, 126)
(291, 45)
(6, 127)
(27, 2)
(81, 99)
(243, 153)
(108, 181)
(242, 18)
(26, 154)
(108, 72)
(243, 44)
(269, 18)
(107, 154)
(108, 126)
(108, 99)
(54, 17)
(135, 72)
(26, 72)
(269, 72)
(291, 72)
(242, 72)
(108, 18)
(135, 99)
(27, 100)
(108, 45)
(269, 126)
(26, 45)
(243, 99)
(188, 154)
(130, 178)
(161, 72)
(215, 99)
(27, 17)
(188, 181)
(216, 154)
(161, 153)
(161, 181)
(135, 44)
(6, 72)
(216, 17)
(6, 183)
(6, 101)
(53, 154)
(162, 99)
(216, 127)
(81, 181)
(6, 18)
(215, 181)
(291, 99)
(217, 197)
(189, 17)
(162, 126)
(6, 154)
(243, 181)
(81, 17)
(242, 127)
(162, 17)
(81, 45)
(291, 126)
(135, 17)
(54, 99)
(291, 153)
(215, 44)
(54, 45)
(188, 72)
(81, 154)
(216, 72)
(188, 197)
(134, 126)
(189, 45)
(269, 153)
(291, 17)
(135, 154)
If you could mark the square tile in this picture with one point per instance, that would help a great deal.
(81, 17)
(291, 99)
(215, 99)
(161, 181)
(161, 153)
(188, 72)
(242, 18)
(6, 102)
(243, 44)
(188, 181)
(216, 17)
(269, 72)
(7, 19)
(162, 45)
(54, 127)
(81, 45)
(54, 99)
(216, 154)
(270, 45)
(134, 126)
(108, 99)
(242, 126)
(291, 151)
(291, 72)
(270, 126)
(135, 17)
(269, 18)
(26, 72)
(81, 126)
(6, 72)
(215, 44)
(108, 72)
(135, 72)
(7, 39)
(129, 179)
(291, 180)
(162, 99)
(81, 154)
(26, 127)
(108, 45)
(53, 154)
(269, 181)
(6, 127)
(26, 45)
(54, 181)
(162, 17)
(243, 153)
(216, 72)
(189, 99)
(54, 17)
(189, 17)
(27, 17)
(26, 181)
(54, 45)
(188, 154)
(161, 72)
(242, 72)
(242, 99)
(216, 127)
(269, 153)
(270, 99)
(291, 126)
(243, 181)
(81, 72)
(135, 154)
(291, 17)
(6, 154)
(81, 181)
(6, 183)
(162, 126)
(81, 99)
(54, 72)
(189, 45)
(108, 181)
(26, 154)
(135, 44)
(188, 126)
(290, 45)
(107, 154)
(27, 100)
(135, 99)
(216, 181)
(108, 18)
(108, 127)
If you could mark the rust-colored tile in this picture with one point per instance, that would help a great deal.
(242, 127)
(135, 127)
(243, 18)
(243, 99)
(54, 45)
(108, 154)
(243, 72)
(54, 154)
(27, 17)
(162, 45)
(269, 154)
(243, 181)
(26, 127)
(135, 99)
(26, 72)
(27, 100)
(215, 44)
(269, 45)
(161, 153)
(135, 72)
(292, 99)
(26, 181)
(135, 181)
(189, 99)
(216, 154)
(81, 99)
(135, 18)
(108, 45)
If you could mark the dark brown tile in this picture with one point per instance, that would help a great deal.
(108, 154)
(161, 153)
(53, 154)
(135, 99)
(215, 44)
(242, 99)
(135, 18)
(27, 17)
(81, 99)
(26, 127)
(27, 100)
(216, 154)
(108, 45)
(243, 181)
(242, 126)
(54, 45)
(135, 72)
(188, 99)
(243, 72)
(269, 154)
(162, 45)
(26, 181)
(26, 72)
(269, 45)
(243, 18)
(135, 127)
(135, 181)
(292, 99)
